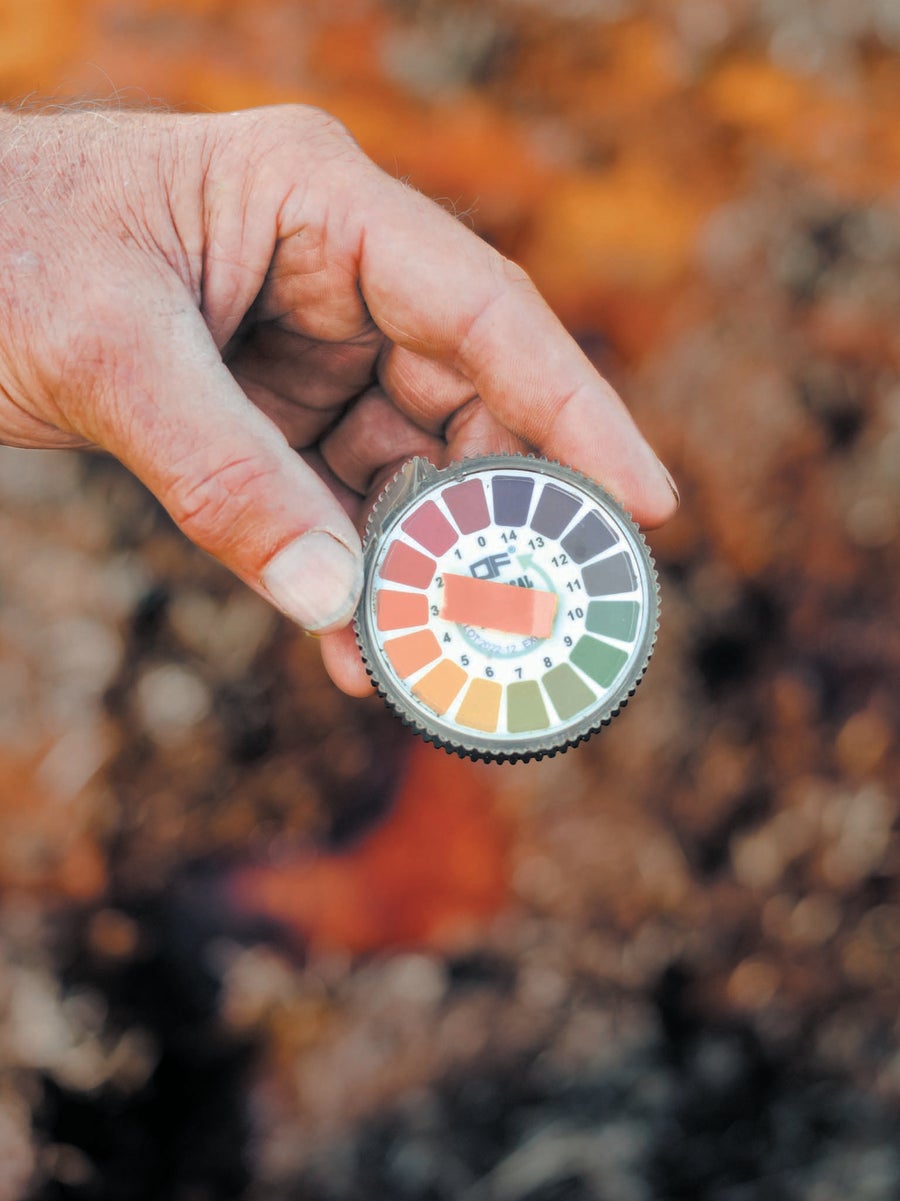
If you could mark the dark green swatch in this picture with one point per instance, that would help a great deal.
(613, 619)
(598, 660)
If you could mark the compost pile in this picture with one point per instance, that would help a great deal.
(256, 941)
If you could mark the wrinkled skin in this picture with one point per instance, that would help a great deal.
(206, 296)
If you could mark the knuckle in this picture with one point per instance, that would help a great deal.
(324, 133)
(281, 128)
(506, 279)
(209, 498)
(318, 122)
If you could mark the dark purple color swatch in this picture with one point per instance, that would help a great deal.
(589, 538)
(512, 499)
(554, 511)
(609, 576)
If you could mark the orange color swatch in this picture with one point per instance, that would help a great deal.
(412, 651)
(439, 687)
(400, 610)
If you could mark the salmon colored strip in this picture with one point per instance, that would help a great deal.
(400, 610)
(438, 687)
(409, 652)
(503, 607)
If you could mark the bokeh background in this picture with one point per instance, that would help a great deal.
(258, 942)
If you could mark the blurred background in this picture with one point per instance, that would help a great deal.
(258, 942)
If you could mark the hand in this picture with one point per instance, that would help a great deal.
(205, 296)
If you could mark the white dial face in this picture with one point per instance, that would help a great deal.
(510, 606)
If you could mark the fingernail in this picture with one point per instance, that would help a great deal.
(668, 478)
(315, 581)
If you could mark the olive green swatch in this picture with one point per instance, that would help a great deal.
(525, 708)
(567, 690)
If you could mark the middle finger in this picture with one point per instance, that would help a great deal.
(372, 439)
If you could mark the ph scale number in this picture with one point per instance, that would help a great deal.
(510, 605)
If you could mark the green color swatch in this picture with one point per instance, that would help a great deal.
(598, 660)
(613, 619)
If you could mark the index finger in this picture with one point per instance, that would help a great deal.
(434, 287)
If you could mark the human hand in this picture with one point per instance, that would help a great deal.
(205, 296)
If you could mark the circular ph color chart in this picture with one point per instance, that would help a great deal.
(509, 607)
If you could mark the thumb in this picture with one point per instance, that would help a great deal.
(228, 478)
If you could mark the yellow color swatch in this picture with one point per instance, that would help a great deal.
(480, 706)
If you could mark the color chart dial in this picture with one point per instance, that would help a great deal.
(509, 607)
